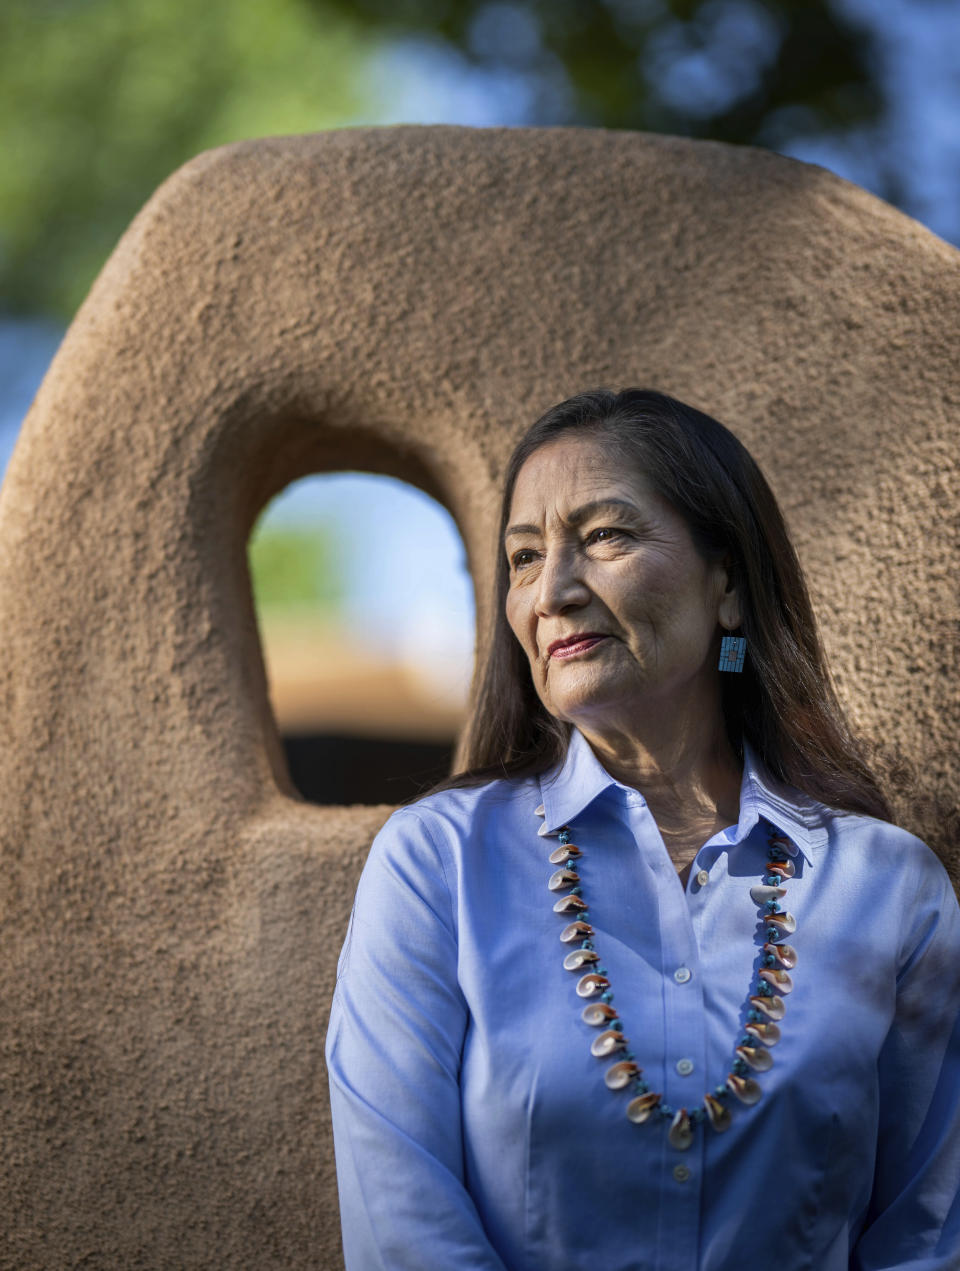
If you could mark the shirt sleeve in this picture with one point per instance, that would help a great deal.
(393, 1051)
(913, 1223)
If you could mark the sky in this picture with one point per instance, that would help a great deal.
(410, 592)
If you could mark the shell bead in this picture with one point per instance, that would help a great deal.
(769, 1034)
(772, 1007)
(785, 954)
(760, 895)
(784, 869)
(563, 878)
(591, 984)
(783, 844)
(621, 1074)
(759, 1059)
(607, 1042)
(578, 958)
(597, 1013)
(565, 852)
(570, 905)
(576, 931)
(745, 1088)
(717, 1112)
(783, 922)
(777, 978)
(681, 1131)
(639, 1109)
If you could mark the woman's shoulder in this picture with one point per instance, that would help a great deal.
(845, 826)
(862, 839)
(426, 848)
(458, 813)
(884, 846)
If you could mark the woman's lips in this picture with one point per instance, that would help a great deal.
(571, 650)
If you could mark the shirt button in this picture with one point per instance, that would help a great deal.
(703, 878)
(681, 1173)
(684, 1067)
(682, 974)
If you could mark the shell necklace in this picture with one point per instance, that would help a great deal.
(765, 1008)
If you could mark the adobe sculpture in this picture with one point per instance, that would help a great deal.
(397, 300)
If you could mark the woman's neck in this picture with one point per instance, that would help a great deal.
(689, 778)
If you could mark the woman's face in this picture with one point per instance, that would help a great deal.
(595, 552)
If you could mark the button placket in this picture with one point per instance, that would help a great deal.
(684, 1025)
(684, 1022)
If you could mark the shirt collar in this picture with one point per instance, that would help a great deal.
(574, 784)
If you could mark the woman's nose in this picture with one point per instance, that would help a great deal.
(560, 584)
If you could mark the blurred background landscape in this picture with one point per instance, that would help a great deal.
(362, 592)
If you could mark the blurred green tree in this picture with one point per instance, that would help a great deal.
(294, 572)
(100, 100)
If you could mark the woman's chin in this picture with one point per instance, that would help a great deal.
(591, 704)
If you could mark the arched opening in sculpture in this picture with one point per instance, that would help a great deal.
(366, 617)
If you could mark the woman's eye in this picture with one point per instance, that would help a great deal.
(519, 559)
(603, 529)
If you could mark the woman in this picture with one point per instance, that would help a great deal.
(655, 984)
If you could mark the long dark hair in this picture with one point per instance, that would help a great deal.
(783, 702)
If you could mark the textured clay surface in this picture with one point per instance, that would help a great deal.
(406, 301)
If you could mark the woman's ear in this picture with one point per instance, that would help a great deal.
(728, 613)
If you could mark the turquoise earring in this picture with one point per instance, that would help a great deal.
(733, 650)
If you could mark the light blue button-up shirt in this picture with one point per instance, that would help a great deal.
(473, 1127)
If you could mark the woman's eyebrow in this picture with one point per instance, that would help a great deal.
(579, 514)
